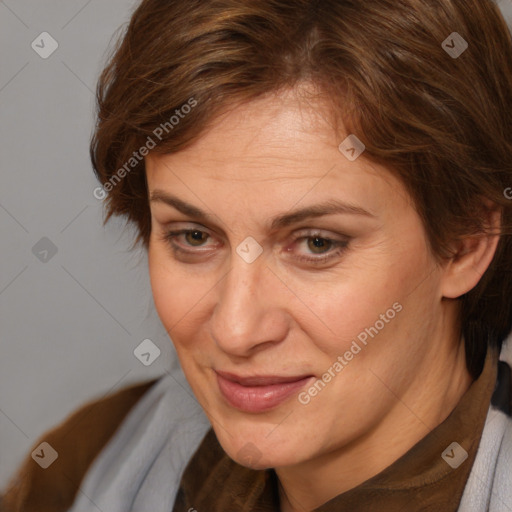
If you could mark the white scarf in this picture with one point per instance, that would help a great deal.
(140, 468)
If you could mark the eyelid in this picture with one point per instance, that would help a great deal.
(321, 233)
(295, 235)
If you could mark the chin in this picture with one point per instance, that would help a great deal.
(257, 460)
(258, 452)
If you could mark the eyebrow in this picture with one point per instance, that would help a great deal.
(329, 207)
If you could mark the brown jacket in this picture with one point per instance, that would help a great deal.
(81, 437)
(77, 440)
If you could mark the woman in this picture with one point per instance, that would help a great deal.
(321, 188)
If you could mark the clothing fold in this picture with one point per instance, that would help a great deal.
(165, 457)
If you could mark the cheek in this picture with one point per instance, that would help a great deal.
(177, 294)
(356, 299)
(383, 297)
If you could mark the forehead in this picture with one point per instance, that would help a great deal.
(274, 131)
(279, 146)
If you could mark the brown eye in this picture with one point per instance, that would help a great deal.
(195, 238)
(318, 245)
(314, 249)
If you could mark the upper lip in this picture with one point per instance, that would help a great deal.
(261, 380)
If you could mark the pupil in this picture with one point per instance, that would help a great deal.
(318, 243)
(196, 236)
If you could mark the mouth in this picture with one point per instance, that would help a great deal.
(258, 393)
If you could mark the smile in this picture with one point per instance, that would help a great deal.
(258, 393)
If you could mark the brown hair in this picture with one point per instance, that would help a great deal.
(440, 122)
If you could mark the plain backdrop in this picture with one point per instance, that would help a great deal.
(74, 301)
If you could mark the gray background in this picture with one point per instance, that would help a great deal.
(68, 326)
(69, 323)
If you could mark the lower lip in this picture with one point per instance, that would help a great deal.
(258, 398)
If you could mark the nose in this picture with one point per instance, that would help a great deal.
(249, 313)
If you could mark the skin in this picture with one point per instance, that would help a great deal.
(282, 316)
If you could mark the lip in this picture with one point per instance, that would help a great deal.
(258, 393)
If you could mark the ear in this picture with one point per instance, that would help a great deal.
(472, 256)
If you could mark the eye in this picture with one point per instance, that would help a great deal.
(195, 238)
(188, 242)
(315, 243)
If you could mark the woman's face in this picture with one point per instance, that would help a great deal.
(304, 297)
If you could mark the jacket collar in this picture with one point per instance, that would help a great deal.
(431, 475)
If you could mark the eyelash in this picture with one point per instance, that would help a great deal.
(337, 248)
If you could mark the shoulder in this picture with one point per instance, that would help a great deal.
(502, 482)
(489, 486)
(77, 441)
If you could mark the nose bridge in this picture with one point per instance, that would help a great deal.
(242, 315)
(239, 297)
